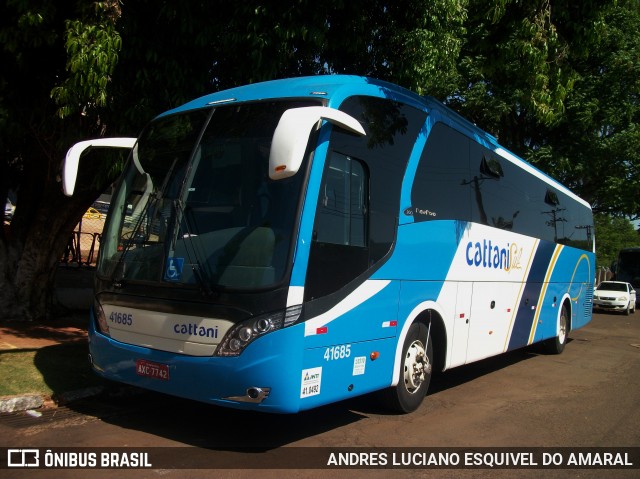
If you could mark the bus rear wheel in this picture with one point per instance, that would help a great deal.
(415, 370)
(556, 345)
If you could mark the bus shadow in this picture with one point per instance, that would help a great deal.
(442, 381)
(221, 429)
(211, 427)
(469, 372)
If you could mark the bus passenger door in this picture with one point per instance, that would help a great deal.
(461, 324)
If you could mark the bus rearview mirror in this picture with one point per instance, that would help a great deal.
(292, 135)
(71, 161)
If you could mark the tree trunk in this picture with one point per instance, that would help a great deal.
(31, 248)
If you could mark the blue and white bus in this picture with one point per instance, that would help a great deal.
(288, 244)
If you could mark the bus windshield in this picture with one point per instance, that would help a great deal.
(195, 205)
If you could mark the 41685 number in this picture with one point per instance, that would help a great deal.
(337, 352)
(121, 318)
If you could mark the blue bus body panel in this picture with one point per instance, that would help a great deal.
(298, 377)
(347, 370)
(413, 259)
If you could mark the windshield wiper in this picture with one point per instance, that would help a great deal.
(202, 276)
(154, 199)
(117, 279)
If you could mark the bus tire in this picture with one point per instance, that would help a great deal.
(556, 345)
(415, 371)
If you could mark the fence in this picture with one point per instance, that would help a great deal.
(603, 274)
(84, 243)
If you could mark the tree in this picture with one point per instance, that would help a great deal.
(613, 234)
(34, 139)
(559, 84)
(556, 81)
(595, 147)
(513, 69)
(78, 70)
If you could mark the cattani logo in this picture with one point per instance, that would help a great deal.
(487, 254)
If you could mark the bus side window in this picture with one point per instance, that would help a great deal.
(442, 185)
(339, 249)
(359, 198)
(343, 203)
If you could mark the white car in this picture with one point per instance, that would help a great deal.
(615, 296)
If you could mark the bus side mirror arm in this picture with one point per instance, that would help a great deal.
(71, 161)
(292, 135)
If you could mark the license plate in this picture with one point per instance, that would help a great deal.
(150, 369)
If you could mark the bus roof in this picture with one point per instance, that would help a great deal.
(334, 89)
(329, 87)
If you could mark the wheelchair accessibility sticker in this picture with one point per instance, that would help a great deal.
(174, 269)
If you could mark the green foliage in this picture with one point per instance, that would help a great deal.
(557, 82)
(512, 63)
(424, 48)
(595, 146)
(93, 55)
(413, 43)
(612, 235)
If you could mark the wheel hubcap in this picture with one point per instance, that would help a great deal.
(416, 367)
(562, 333)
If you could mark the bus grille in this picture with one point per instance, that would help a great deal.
(588, 301)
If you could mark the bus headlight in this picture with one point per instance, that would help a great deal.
(240, 336)
(101, 319)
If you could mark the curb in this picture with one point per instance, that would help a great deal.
(28, 402)
(36, 401)
(21, 403)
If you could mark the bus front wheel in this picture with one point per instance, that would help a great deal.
(415, 370)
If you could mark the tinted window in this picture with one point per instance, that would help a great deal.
(198, 207)
(341, 214)
(442, 188)
(458, 178)
(519, 201)
(510, 200)
(605, 286)
(628, 268)
(358, 205)
(392, 129)
(572, 223)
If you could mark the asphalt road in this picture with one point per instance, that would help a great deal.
(586, 397)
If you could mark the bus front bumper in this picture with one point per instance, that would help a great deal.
(264, 377)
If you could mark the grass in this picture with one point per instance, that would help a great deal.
(48, 371)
